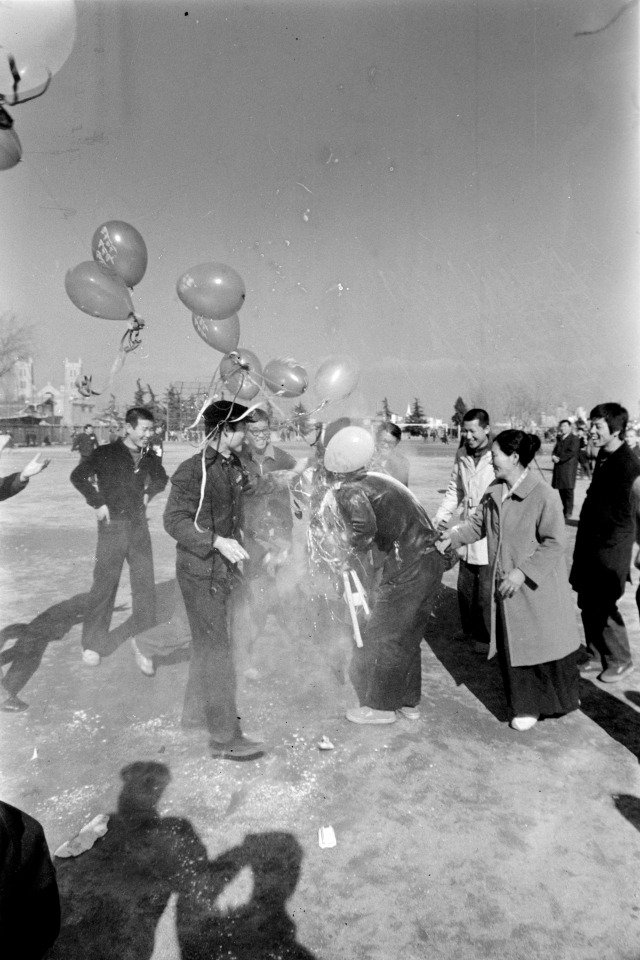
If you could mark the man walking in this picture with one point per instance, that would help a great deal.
(471, 475)
(118, 479)
(204, 515)
(86, 442)
(604, 542)
(565, 465)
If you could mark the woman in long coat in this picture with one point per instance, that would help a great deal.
(533, 624)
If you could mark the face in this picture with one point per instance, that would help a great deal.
(503, 463)
(474, 435)
(564, 429)
(259, 435)
(140, 433)
(235, 438)
(600, 434)
(386, 443)
(631, 436)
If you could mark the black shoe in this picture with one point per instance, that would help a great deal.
(240, 748)
(591, 668)
(14, 705)
(616, 672)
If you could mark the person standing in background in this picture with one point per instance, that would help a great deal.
(387, 459)
(86, 442)
(565, 466)
(471, 475)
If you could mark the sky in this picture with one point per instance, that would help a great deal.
(445, 191)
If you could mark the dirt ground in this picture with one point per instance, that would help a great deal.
(456, 836)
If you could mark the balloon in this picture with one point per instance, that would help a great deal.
(285, 377)
(39, 35)
(222, 335)
(241, 373)
(336, 379)
(120, 248)
(349, 449)
(212, 290)
(10, 149)
(98, 292)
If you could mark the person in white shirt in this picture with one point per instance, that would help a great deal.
(471, 475)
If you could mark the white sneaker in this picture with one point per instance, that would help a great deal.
(411, 713)
(143, 663)
(91, 658)
(523, 723)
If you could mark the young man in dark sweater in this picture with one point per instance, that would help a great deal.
(602, 554)
(118, 480)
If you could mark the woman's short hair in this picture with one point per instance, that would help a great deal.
(526, 445)
(392, 428)
(615, 415)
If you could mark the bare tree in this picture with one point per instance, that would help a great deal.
(16, 342)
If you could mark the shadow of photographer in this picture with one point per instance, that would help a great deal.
(114, 895)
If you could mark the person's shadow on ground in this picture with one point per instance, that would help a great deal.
(481, 676)
(32, 639)
(113, 896)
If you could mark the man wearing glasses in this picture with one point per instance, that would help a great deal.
(268, 523)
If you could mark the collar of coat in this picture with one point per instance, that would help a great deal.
(523, 490)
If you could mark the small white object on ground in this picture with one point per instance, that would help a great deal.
(325, 744)
(35, 753)
(91, 832)
(326, 837)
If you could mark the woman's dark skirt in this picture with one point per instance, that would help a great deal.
(543, 690)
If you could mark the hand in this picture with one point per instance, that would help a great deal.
(35, 466)
(555, 459)
(511, 584)
(230, 549)
(443, 544)
(102, 513)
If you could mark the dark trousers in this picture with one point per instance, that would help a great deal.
(119, 540)
(474, 597)
(567, 502)
(210, 697)
(386, 671)
(604, 629)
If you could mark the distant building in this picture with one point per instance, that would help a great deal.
(63, 405)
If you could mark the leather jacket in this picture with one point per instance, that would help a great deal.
(380, 511)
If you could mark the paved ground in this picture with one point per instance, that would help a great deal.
(456, 837)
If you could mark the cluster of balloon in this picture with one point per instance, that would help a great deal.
(349, 449)
(100, 287)
(336, 379)
(285, 377)
(36, 40)
(241, 373)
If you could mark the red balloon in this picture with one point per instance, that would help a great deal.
(98, 292)
(222, 335)
(336, 379)
(241, 373)
(10, 149)
(120, 248)
(285, 377)
(212, 290)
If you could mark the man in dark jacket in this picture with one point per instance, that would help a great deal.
(386, 671)
(602, 554)
(29, 900)
(565, 465)
(206, 522)
(86, 442)
(118, 480)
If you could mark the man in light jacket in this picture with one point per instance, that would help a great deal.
(471, 475)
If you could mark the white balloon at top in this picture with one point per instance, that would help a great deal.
(39, 35)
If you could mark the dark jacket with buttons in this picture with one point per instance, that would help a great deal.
(110, 477)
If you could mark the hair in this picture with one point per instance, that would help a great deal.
(615, 415)
(88, 426)
(526, 445)
(259, 414)
(392, 428)
(564, 421)
(134, 414)
(477, 413)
